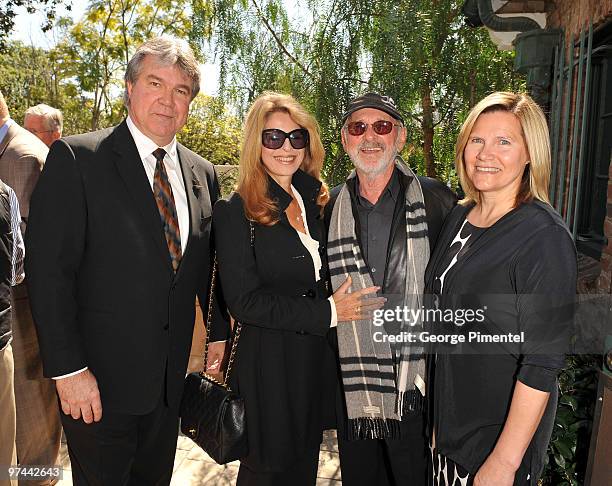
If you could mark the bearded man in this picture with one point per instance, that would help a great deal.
(382, 223)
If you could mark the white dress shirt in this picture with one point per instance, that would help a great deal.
(146, 147)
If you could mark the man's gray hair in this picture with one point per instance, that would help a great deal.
(169, 51)
(53, 118)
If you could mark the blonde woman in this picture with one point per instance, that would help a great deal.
(270, 248)
(505, 253)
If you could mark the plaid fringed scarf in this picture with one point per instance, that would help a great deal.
(379, 382)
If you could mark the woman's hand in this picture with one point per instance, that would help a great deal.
(495, 472)
(354, 306)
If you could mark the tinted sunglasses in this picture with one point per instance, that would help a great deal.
(380, 127)
(274, 138)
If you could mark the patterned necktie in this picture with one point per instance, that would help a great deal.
(167, 209)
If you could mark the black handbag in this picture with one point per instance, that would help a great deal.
(212, 415)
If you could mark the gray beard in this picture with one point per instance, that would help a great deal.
(378, 169)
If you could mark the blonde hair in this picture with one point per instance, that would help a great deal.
(536, 177)
(253, 178)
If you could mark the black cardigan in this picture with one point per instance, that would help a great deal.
(284, 368)
(523, 269)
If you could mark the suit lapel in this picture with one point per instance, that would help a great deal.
(132, 172)
(198, 200)
(313, 217)
(10, 134)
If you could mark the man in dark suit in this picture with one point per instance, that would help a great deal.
(118, 249)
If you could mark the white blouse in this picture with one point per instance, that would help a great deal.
(312, 246)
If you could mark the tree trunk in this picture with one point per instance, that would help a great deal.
(95, 113)
(428, 130)
(472, 88)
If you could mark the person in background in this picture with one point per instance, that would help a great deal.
(382, 223)
(22, 156)
(44, 121)
(11, 273)
(506, 252)
(270, 244)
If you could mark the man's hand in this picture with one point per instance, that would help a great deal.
(80, 397)
(216, 356)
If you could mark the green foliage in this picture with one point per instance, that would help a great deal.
(569, 445)
(212, 132)
(30, 75)
(327, 51)
(228, 178)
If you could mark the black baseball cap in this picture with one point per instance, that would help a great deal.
(373, 100)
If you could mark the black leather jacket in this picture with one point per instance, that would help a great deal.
(439, 200)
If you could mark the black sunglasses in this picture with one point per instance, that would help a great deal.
(380, 127)
(274, 138)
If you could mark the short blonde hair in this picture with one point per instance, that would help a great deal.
(535, 135)
(252, 177)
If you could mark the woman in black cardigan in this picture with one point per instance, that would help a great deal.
(505, 255)
(273, 281)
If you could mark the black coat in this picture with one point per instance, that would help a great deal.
(284, 367)
(102, 289)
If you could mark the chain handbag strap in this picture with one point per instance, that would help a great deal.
(237, 326)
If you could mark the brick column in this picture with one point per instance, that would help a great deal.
(605, 279)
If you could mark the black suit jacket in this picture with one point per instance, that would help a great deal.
(102, 289)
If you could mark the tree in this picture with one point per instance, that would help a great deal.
(409, 49)
(30, 75)
(212, 132)
(8, 14)
(434, 66)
